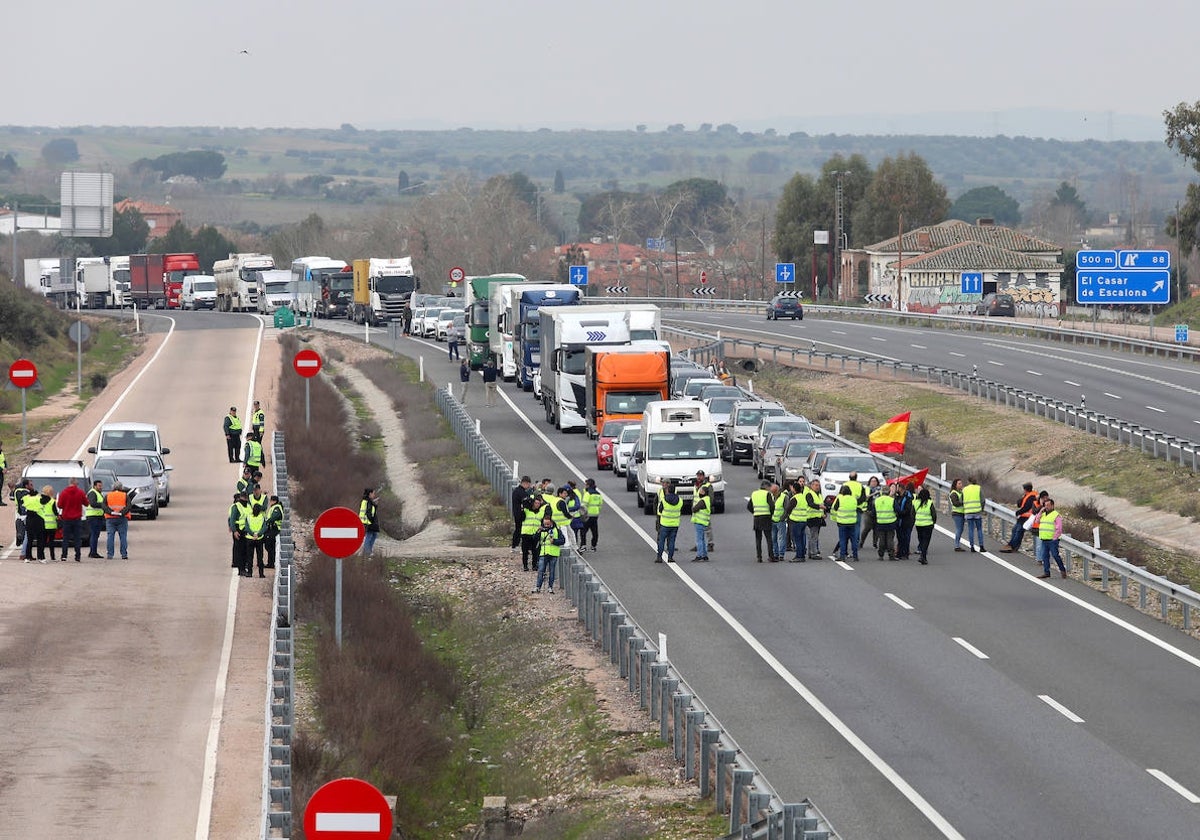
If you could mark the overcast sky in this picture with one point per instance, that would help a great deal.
(526, 64)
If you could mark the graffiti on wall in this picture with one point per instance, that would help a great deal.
(1035, 295)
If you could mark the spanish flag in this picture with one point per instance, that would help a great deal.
(889, 438)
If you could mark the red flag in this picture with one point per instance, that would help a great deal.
(890, 437)
(913, 480)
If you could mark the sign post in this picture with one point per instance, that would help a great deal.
(338, 533)
(307, 363)
(23, 375)
(347, 809)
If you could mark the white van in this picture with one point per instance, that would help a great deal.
(199, 292)
(678, 438)
(121, 437)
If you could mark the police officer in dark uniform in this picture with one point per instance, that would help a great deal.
(233, 434)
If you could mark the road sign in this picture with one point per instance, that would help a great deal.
(1123, 285)
(702, 291)
(703, 277)
(1144, 259)
(338, 532)
(1181, 333)
(785, 272)
(307, 363)
(347, 809)
(653, 244)
(617, 290)
(1095, 259)
(22, 373)
(457, 275)
(972, 282)
(578, 275)
(877, 298)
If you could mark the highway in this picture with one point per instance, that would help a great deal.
(1162, 394)
(967, 698)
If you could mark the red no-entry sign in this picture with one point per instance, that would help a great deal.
(347, 809)
(307, 363)
(22, 373)
(338, 532)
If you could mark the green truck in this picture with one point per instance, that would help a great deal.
(478, 292)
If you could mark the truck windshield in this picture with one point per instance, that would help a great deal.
(343, 282)
(574, 361)
(642, 335)
(395, 285)
(177, 276)
(629, 403)
(532, 333)
(681, 446)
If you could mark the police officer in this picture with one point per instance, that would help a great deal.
(246, 483)
(253, 456)
(236, 520)
(233, 434)
(274, 525)
(256, 533)
(592, 503)
(761, 508)
(258, 421)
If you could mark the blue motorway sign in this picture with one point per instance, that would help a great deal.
(653, 244)
(785, 272)
(1095, 259)
(1123, 286)
(578, 275)
(1144, 259)
(971, 282)
(1181, 333)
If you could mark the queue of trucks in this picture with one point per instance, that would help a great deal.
(88, 282)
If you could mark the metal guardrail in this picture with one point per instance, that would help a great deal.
(707, 753)
(1010, 326)
(999, 520)
(276, 818)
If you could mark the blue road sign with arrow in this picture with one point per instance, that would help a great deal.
(785, 272)
(1123, 286)
(578, 275)
(971, 282)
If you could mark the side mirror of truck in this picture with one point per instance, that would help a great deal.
(640, 458)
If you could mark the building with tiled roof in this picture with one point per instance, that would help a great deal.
(160, 217)
(920, 271)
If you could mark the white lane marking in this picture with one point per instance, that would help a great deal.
(993, 362)
(904, 604)
(209, 778)
(1114, 396)
(970, 647)
(1159, 410)
(339, 533)
(960, 355)
(919, 346)
(858, 744)
(877, 338)
(1075, 384)
(1060, 708)
(1034, 372)
(327, 821)
(844, 565)
(838, 332)
(1174, 785)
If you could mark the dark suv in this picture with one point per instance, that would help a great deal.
(785, 306)
(994, 303)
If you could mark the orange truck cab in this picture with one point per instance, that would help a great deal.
(622, 380)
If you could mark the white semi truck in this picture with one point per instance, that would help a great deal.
(504, 318)
(118, 282)
(92, 282)
(237, 281)
(566, 333)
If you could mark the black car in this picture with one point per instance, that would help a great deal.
(785, 306)
(997, 303)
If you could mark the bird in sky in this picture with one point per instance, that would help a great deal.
(244, 52)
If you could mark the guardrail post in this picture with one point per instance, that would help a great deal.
(708, 743)
(725, 758)
(658, 670)
(669, 686)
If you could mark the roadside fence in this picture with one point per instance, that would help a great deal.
(706, 752)
(276, 821)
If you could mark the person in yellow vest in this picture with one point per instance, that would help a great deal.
(368, 514)
(233, 434)
(551, 539)
(236, 520)
(760, 505)
(533, 513)
(886, 521)
(593, 501)
(816, 520)
(274, 526)
(20, 493)
(861, 497)
(702, 520)
(844, 508)
(924, 518)
(1049, 525)
(3, 468)
(796, 516)
(256, 533)
(972, 499)
(560, 512)
(670, 511)
(701, 480)
(253, 456)
(41, 521)
(94, 515)
(258, 421)
(116, 518)
(779, 534)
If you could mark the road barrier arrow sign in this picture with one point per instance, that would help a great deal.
(347, 809)
(618, 290)
(338, 532)
(307, 363)
(22, 373)
(703, 291)
(877, 298)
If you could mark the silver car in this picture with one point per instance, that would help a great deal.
(137, 474)
(162, 475)
(623, 451)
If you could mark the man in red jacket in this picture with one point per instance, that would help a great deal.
(71, 502)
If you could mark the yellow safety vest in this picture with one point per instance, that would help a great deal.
(561, 517)
(845, 510)
(885, 510)
(235, 422)
(256, 526)
(362, 512)
(780, 505)
(858, 492)
(546, 544)
(669, 514)
(972, 496)
(532, 521)
(760, 503)
(593, 502)
(95, 497)
(48, 513)
(258, 419)
(254, 453)
(1045, 525)
(956, 501)
(923, 513)
(701, 511)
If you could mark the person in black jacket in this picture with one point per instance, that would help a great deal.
(905, 518)
(517, 505)
(489, 381)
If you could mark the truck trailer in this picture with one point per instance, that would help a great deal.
(92, 282)
(622, 381)
(566, 334)
(527, 343)
(504, 318)
(382, 288)
(237, 281)
(156, 280)
(477, 306)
